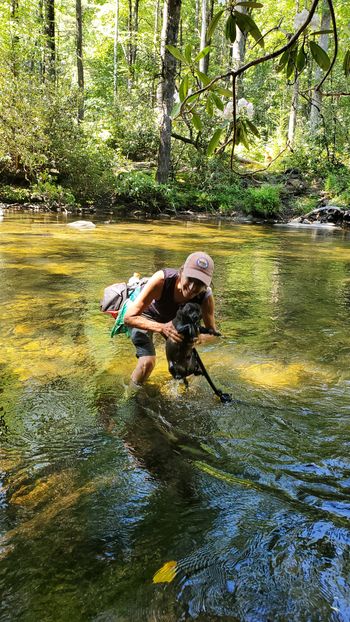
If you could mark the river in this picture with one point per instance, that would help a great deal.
(167, 505)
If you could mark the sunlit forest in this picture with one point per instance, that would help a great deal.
(197, 105)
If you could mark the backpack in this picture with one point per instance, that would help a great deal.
(116, 294)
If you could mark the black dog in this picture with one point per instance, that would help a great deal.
(181, 359)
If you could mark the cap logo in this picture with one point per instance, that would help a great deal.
(202, 263)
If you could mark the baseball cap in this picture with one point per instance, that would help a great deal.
(199, 266)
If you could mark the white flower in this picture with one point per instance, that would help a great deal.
(228, 111)
(301, 18)
(245, 107)
(105, 135)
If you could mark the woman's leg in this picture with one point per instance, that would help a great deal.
(143, 369)
(146, 354)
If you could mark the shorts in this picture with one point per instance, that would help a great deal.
(143, 342)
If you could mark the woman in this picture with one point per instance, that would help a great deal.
(158, 302)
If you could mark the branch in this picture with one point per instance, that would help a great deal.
(334, 94)
(278, 28)
(257, 61)
(234, 118)
(331, 9)
(183, 138)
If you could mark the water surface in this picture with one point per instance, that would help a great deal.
(243, 508)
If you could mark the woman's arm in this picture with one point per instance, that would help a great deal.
(151, 291)
(208, 315)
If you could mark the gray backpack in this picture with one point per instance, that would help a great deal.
(115, 295)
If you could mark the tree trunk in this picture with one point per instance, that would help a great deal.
(162, 54)
(196, 18)
(115, 51)
(203, 41)
(207, 15)
(293, 113)
(79, 54)
(50, 64)
(15, 38)
(238, 52)
(171, 28)
(316, 99)
(133, 25)
(155, 53)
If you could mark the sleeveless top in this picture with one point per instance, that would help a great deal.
(164, 309)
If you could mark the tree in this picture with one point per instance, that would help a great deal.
(171, 19)
(79, 53)
(316, 98)
(50, 57)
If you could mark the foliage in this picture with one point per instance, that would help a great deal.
(142, 191)
(53, 194)
(337, 184)
(133, 130)
(264, 201)
(42, 144)
(13, 194)
(212, 194)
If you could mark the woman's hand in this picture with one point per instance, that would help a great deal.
(169, 331)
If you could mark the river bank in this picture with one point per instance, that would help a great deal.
(268, 197)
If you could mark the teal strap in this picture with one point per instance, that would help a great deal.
(119, 326)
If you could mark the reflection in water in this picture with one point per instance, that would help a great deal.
(246, 505)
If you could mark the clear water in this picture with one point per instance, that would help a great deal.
(249, 502)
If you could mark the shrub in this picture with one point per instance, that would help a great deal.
(263, 201)
(12, 194)
(337, 184)
(53, 194)
(142, 191)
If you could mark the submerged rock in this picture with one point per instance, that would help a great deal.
(329, 215)
(82, 224)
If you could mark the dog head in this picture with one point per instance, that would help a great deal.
(187, 320)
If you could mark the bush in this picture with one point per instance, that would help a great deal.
(337, 184)
(12, 194)
(142, 191)
(53, 194)
(263, 201)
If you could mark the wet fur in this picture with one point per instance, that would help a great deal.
(181, 359)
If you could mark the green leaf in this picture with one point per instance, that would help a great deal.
(209, 106)
(254, 130)
(238, 135)
(301, 59)
(290, 67)
(346, 64)
(202, 76)
(230, 29)
(183, 89)
(246, 24)
(217, 101)
(253, 5)
(320, 56)
(202, 53)
(213, 24)
(222, 91)
(320, 32)
(176, 53)
(175, 110)
(214, 141)
(241, 134)
(192, 98)
(197, 121)
(283, 60)
(188, 53)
